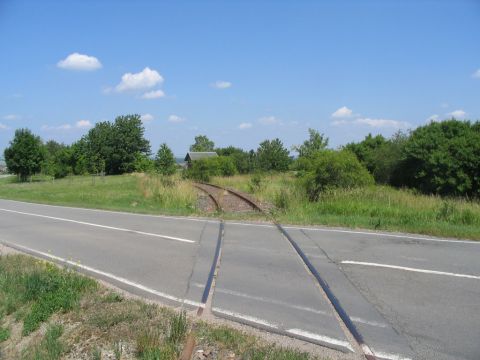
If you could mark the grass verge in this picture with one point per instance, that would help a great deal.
(375, 207)
(102, 324)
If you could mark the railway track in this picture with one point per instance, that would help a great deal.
(229, 200)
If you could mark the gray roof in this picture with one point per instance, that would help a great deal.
(192, 155)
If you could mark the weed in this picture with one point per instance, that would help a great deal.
(177, 329)
(50, 348)
(4, 334)
(113, 297)
(148, 340)
(96, 354)
(118, 350)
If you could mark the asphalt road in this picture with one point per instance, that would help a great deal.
(410, 297)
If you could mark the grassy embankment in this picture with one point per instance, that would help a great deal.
(375, 207)
(135, 193)
(48, 313)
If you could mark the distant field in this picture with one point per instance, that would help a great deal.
(375, 207)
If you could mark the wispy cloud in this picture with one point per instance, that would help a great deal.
(155, 94)
(175, 119)
(56, 127)
(12, 117)
(146, 118)
(269, 120)
(374, 123)
(457, 114)
(83, 124)
(80, 62)
(342, 112)
(221, 84)
(433, 118)
(145, 79)
(245, 125)
(4, 127)
(476, 74)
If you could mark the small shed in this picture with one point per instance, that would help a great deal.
(3, 166)
(194, 155)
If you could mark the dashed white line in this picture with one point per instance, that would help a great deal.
(400, 236)
(105, 274)
(270, 301)
(321, 338)
(248, 318)
(101, 226)
(368, 322)
(425, 271)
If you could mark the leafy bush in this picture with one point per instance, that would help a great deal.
(443, 158)
(203, 169)
(334, 169)
(272, 155)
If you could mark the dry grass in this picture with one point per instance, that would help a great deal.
(105, 325)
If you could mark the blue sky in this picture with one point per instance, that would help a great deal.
(238, 71)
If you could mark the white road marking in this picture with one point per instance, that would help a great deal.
(400, 236)
(101, 226)
(248, 318)
(368, 322)
(190, 218)
(425, 271)
(322, 338)
(270, 301)
(471, 242)
(106, 274)
(386, 356)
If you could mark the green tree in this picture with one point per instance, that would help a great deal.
(334, 169)
(240, 158)
(366, 149)
(315, 143)
(272, 155)
(202, 143)
(165, 161)
(25, 155)
(58, 159)
(442, 158)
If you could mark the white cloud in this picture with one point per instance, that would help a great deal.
(245, 125)
(382, 123)
(433, 118)
(268, 120)
(83, 124)
(444, 105)
(457, 114)
(154, 94)
(476, 74)
(342, 112)
(146, 118)
(3, 127)
(375, 123)
(12, 117)
(59, 127)
(147, 78)
(220, 84)
(78, 61)
(175, 119)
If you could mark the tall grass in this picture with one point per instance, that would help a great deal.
(373, 207)
(139, 193)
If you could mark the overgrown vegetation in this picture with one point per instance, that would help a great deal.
(104, 324)
(377, 207)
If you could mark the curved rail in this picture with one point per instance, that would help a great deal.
(367, 352)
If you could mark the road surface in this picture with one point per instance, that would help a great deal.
(409, 297)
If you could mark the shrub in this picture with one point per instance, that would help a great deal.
(203, 169)
(443, 158)
(334, 169)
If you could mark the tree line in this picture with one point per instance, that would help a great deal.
(437, 158)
